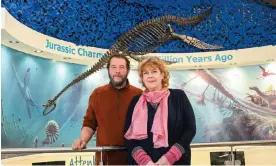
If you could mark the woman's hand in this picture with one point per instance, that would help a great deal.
(150, 163)
(162, 161)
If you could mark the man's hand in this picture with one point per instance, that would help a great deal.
(78, 144)
(162, 161)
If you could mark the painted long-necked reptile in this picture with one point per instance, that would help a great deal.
(142, 39)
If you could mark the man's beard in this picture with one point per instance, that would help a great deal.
(117, 84)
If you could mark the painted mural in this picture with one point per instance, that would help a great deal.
(231, 104)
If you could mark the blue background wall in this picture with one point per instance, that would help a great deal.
(233, 24)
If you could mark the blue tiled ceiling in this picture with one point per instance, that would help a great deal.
(234, 24)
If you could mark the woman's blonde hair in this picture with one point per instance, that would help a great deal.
(154, 62)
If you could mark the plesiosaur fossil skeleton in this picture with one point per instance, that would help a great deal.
(142, 39)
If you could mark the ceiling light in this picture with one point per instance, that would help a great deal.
(66, 58)
(38, 51)
(13, 41)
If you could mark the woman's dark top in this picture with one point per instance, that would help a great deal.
(181, 128)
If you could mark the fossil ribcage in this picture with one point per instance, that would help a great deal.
(142, 39)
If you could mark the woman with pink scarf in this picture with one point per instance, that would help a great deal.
(160, 123)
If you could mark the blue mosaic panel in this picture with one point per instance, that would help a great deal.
(234, 24)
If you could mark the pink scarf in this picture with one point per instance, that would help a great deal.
(138, 127)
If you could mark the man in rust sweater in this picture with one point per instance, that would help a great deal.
(107, 110)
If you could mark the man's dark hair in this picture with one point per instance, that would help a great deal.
(119, 56)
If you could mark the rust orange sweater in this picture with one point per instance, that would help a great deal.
(106, 113)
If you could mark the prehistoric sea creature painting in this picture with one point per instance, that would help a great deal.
(230, 104)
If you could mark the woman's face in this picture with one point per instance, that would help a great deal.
(152, 78)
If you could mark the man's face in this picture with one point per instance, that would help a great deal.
(117, 71)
